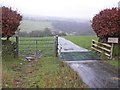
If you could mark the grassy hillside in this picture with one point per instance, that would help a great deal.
(74, 28)
(70, 27)
(30, 25)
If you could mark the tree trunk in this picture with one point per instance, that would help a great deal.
(103, 39)
(8, 37)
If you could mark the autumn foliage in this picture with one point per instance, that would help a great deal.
(107, 23)
(10, 21)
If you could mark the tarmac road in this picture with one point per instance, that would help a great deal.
(95, 73)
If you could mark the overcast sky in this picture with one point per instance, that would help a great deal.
(83, 9)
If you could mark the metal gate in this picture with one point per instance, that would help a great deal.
(36, 46)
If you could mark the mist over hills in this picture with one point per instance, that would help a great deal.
(69, 26)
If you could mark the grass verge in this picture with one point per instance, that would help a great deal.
(48, 72)
(115, 63)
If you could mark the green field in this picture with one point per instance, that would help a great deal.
(28, 25)
(83, 41)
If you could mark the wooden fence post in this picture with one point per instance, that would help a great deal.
(17, 42)
(111, 54)
(36, 54)
(56, 45)
(17, 46)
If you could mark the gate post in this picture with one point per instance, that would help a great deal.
(56, 45)
(17, 44)
(36, 54)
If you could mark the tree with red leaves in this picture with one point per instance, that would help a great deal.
(10, 21)
(107, 23)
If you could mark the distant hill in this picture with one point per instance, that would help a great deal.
(69, 26)
(73, 27)
(32, 25)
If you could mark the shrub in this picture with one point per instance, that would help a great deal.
(10, 21)
(107, 23)
(8, 49)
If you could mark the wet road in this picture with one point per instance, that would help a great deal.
(68, 46)
(96, 74)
